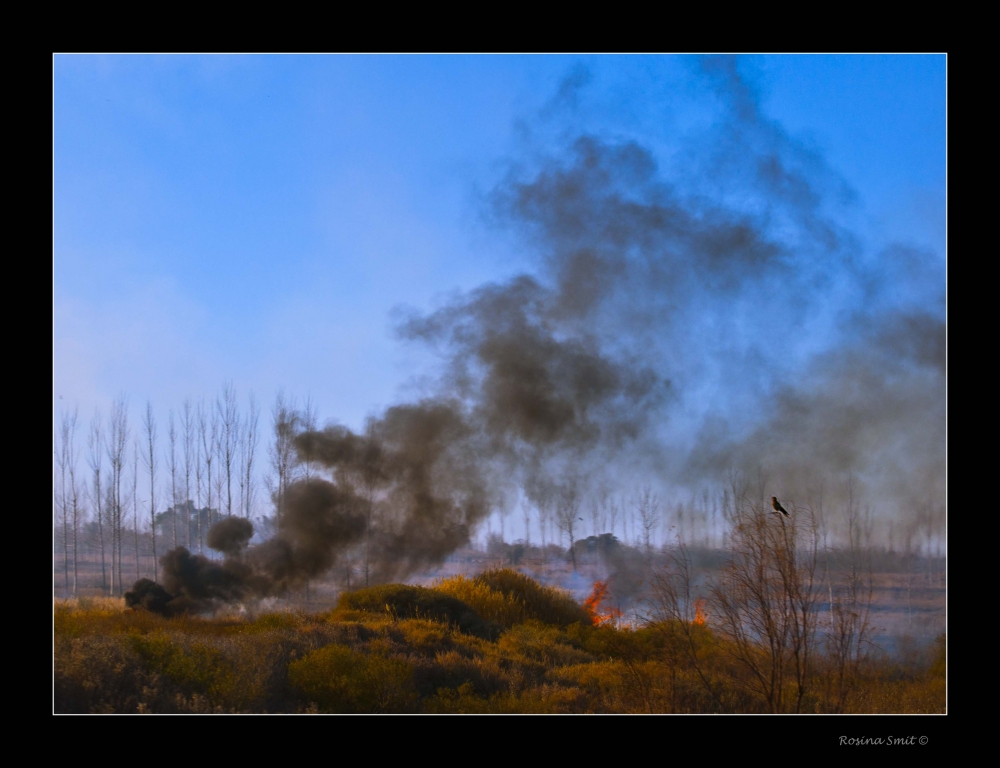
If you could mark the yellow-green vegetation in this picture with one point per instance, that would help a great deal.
(337, 679)
(404, 601)
(507, 597)
(499, 642)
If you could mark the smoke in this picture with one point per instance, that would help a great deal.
(680, 321)
(230, 536)
(717, 314)
(424, 476)
(321, 520)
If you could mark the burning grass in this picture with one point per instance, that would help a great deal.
(499, 642)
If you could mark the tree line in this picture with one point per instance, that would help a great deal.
(129, 486)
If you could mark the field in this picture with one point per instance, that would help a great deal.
(496, 642)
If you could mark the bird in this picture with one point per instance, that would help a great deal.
(777, 506)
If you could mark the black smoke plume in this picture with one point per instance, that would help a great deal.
(230, 536)
(321, 520)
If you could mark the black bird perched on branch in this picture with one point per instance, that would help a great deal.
(777, 506)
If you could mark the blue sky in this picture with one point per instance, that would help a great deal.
(258, 218)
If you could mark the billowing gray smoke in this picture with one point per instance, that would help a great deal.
(679, 323)
(735, 321)
(424, 467)
(321, 521)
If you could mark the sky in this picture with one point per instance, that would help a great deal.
(267, 220)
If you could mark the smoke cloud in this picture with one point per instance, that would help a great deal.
(681, 321)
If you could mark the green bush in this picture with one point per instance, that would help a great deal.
(338, 679)
(403, 601)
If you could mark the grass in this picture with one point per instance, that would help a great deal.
(499, 642)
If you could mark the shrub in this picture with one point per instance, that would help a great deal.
(542, 644)
(338, 679)
(426, 638)
(198, 668)
(548, 605)
(501, 608)
(542, 700)
(403, 601)
(270, 622)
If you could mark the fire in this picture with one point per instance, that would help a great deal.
(592, 605)
(699, 612)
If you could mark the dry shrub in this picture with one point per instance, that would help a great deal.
(614, 686)
(502, 609)
(197, 668)
(338, 679)
(545, 699)
(426, 638)
(451, 669)
(545, 604)
(404, 601)
(99, 674)
(544, 645)
(106, 605)
(271, 622)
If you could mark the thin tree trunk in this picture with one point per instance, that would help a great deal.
(188, 426)
(135, 505)
(172, 437)
(100, 532)
(149, 424)
(76, 524)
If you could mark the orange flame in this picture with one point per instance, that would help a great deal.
(592, 605)
(699, 612)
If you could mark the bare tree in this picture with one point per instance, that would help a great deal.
(62, 459)
(715, 521)
(309, 419)
(251, 438)
(526, 512)
(228, 411)
(613, 511)
(632, 525)
(599, 511)
(372, 476)
(118, 436)
(765, 601)
(208, 430)
(95, 447)
(66, 499)
(220, 488)
(172, 463)
(135, 508)
(848, 636)
(242, 456)
(676, 614)
(285, 425)
(567, 513)
(503, 509)
(544, 510)
(190, 462)
(647, 504)
(74, 491)
(540, 492)
(149, 459)
(762, 608)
